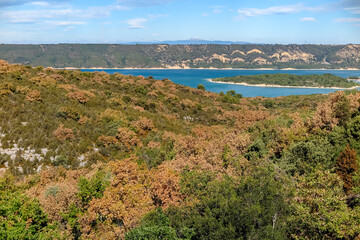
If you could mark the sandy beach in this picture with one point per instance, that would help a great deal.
(280, 86)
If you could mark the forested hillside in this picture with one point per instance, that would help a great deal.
(284, 79)
(183, 56)
(98, 156)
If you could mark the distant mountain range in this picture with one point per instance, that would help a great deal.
(178, 55)
(190, 42)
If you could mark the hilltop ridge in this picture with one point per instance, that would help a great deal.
(184, 56)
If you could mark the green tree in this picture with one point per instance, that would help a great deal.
(306, 156)
(342, 110)
(252, 207)
(155, 225)
(93, 188)
(201, 87)
(20, 217)
(319, 209)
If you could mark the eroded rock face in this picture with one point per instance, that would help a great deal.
(237, 52)
(221, 57)
(254, 51)
(349, 51)
(260, 60)
(283, 56)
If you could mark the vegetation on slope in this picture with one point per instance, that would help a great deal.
(183, 56)
(283, 79)
(99, 156)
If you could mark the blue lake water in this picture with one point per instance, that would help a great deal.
(194, 77)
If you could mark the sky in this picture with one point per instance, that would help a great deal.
(121, 21)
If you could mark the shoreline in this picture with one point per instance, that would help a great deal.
(179, 68)
(279, 86)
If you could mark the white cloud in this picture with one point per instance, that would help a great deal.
(252, 12)
(42, 4)
(353, 10)
(217, 9)
(349, 20)
(120, 8)
(36, 15)
(142, 3)
(151, 16)
(275, 10)
(136, 23)
(68, 28)
(68, 13)
(65, 23)
(308, 19)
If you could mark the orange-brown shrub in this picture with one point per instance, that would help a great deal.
(83, 96)
(107, 140)
(346, 166)
(63, 133)
(4, 67)
(33, 95)
(133, 192)
(128, 137)
(56, 190)
(144, 124)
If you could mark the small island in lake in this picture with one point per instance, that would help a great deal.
(291, 80)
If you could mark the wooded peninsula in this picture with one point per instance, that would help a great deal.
(282, 79)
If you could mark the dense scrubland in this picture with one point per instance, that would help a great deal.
(99, 156)
(282, 79)
(276, 56)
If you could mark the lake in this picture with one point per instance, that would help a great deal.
(194, 77)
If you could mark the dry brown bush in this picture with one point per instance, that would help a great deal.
(22, 89)
(83, 96)
(323, 117)
(67, 87)
(4, 67)
(56, 190)
(83, 120)
(107, 140)
(158, 85)
(33, 95)
(128, 137)
(58, 78)
(138, 108)
(133, 192)
(63, 133)
(152, 94)
(144, 124)
(43, 80)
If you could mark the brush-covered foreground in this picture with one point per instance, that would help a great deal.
(99, 156)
